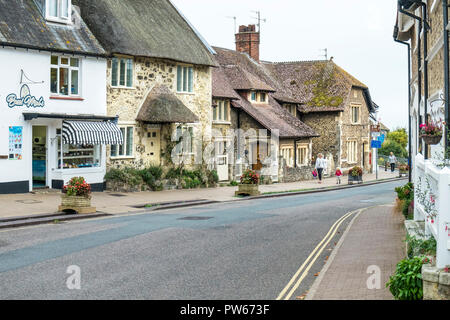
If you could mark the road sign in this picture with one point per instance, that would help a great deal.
(375, 135)
(375, 144)
(381, 138)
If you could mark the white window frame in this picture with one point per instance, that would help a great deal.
(352, 151)
(287, 152)
(299, 152)
(222, 108)
(127, 60)
(185, 78)
(184, 128)
(60, 18)
(70, 68)
(355, 107)
(125, 144)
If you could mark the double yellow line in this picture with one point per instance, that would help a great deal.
(298, 277)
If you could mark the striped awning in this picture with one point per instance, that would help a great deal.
(91, 132)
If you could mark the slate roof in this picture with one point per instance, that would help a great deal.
(243, 73)
(162, 106)
(148, 28)
(23, 25)
(221, 87)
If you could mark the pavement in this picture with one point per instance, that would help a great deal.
(372, 246)
(229, 250)
(28, 204)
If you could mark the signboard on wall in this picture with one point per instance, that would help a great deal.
(375, 144)
(15, 143)
(25, 99)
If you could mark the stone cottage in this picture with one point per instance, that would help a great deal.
(276, 143)
(334, 103)
(158, 80)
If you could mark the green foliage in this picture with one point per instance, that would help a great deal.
(406, 282)
(127, 175)
(400, 136)
(233, 183)
(393, 146)
(420, 247)
(213, 177)
(406, 195)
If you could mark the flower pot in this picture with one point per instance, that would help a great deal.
(354, 179)
(248, 190)
(431, 139)
(78, 204)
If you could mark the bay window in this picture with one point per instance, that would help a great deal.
(65, 76)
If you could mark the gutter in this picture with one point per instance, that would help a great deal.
(71, 52)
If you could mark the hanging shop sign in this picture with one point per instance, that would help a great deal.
(15, 143)
(25, 99)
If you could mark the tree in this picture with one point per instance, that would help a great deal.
(393, 146)
(400, 136)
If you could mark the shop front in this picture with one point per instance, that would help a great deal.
(65, 146)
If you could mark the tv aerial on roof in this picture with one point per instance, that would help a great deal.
(258, 17)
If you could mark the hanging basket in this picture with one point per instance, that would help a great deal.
(431, 139)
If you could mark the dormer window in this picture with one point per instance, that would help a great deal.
(59, 10)
(256, 97)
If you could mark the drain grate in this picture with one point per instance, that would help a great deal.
(28, 201)
(117, 195)
(195, 218)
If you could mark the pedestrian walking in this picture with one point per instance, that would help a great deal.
(338, 175)
(392, 161)
(320, 165)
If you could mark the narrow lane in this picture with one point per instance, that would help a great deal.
(240, 250)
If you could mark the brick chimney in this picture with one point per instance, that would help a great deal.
(247, 40)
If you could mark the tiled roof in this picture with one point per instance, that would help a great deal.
(23, 24)
(221, 87)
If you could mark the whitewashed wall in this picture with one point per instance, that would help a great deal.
(36, 66)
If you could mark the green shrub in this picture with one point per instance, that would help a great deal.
(129, 176)
(156, 171)
(233, 183)
(173, 173)
(406, 195)
(406, 282)
(420, 247)
(213, 177)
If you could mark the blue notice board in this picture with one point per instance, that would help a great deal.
(375, 144)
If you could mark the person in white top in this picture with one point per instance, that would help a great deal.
(392, 161)
(320, 166)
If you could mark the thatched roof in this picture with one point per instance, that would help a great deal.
(162, 106)
(22, 24)
(147, 28)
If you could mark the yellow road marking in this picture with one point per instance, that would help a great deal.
(332, 231)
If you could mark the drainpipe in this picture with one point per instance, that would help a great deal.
(295, 153)
(425, 71)
(446, 74)
(409, 98)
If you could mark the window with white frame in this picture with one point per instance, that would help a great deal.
(352, 151)
(287, 152)
(65, 76)
(185, 138)
(185, 79)
(59, 10)
(122, 72)
(355, 114)
(302, 155)
(221, 111)
(125, 149)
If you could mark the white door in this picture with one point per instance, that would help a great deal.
(221, 160)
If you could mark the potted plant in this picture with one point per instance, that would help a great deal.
(355, 175)
(431, 133)
(248, 184)
(403, 169)
(76, 196)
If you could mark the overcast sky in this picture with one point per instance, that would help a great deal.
(358, 34)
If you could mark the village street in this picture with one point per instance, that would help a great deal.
(236, 250)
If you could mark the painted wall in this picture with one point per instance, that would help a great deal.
(36, 68)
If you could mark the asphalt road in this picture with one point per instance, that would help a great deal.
(238, 250)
